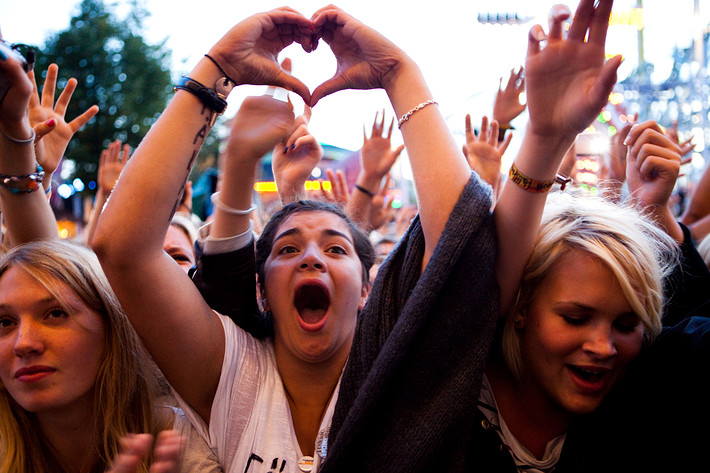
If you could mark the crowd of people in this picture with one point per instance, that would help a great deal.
(508, 321)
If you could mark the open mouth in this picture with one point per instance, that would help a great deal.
(312, 301)
(587, 375)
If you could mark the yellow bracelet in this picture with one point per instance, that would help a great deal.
(528, 184)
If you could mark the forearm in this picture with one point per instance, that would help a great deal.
(518, 212)
(236, 193)
(99, 202)
(27, 216)
(152, 182)
(439, 168)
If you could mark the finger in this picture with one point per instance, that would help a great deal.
(342, 183)
(382, 123)
(506, 142)
(324, 193)
(286, 65)
(483, 133)
(469, 127)
(34, 97)
(307, 112)
(493, 138)
(399, 150)
(374, 130)
(558, 15)
(535, 37)
(328, 87)
(133, 449)
(43, 128)
(50, 83)
(637, 131)
(64, 97)
(600, 23)
(389, 132)
(654, 167)
(464, 150)
(167, 452)
(599, 93)
(126, 154)
(582, 18)
(289, 82)
(76, 124)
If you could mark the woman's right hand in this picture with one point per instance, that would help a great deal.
(365, 58)
(17, 88)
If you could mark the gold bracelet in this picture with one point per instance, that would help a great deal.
(406, 116)
(528, 184)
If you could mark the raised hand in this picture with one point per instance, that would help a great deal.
(484, 152)
(48, 120)
(652, 168)
(365, 58)
(111, 163)
(294, 158)
(377, 153)
(248, 52)
(339, 193)
(381, 212)
(567, 80)
(506, 105)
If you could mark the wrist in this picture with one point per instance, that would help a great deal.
(540, 156)
(370, 183)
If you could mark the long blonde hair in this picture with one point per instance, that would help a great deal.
(125, 384)
(639, 254)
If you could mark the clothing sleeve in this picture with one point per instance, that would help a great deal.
(688, 288)
(407, 397)
(227, 280)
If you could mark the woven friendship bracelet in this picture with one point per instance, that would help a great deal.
(24, 184)
(406, 116)
(528, 184)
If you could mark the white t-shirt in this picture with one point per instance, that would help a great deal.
(250, 425)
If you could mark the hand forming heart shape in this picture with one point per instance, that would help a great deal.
(365, 58)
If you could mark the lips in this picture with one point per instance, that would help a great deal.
(33, 373)
(312, 300)
(588, 378)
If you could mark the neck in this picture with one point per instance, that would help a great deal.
(530, 416)
(309, 388)
(71, 437)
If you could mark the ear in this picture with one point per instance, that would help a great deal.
(363, 296)
(518, 321)
(261, 298)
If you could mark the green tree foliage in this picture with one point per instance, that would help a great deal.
(128, 79)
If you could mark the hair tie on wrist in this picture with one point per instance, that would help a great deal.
(214, 61)
(364, 191)
(217, 202)
(29, 140)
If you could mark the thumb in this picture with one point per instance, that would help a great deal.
(289, 82)
(328, 87)
(44, 128)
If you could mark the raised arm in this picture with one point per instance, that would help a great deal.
(25, 209)
(376, 160)
(367, 60)
(178, 328)
(652, 168)
(567, 84)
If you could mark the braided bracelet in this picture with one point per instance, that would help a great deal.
(24, 184)
(217, 202)
(528, 184)
(406, 116)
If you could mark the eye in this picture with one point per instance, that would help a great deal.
(337, 249)
(57, 313)
(627, 324)
(575, 320)
(287, 249)
(6, 322)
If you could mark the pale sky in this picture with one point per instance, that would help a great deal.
(461, 58)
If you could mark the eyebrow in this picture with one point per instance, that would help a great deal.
(327, 231)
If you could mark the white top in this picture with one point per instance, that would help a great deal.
(250, 425)
(525, 461)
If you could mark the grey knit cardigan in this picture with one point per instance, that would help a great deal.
(407, 400)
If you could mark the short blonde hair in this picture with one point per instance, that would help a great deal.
(637, 251)
(126, 382)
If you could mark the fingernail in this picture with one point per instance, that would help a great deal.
(293, 146)
(3, 56)
(285, 149)
(51, 122)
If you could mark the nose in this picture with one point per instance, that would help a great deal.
(312, 258)
(29, 340)
(601, 342)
